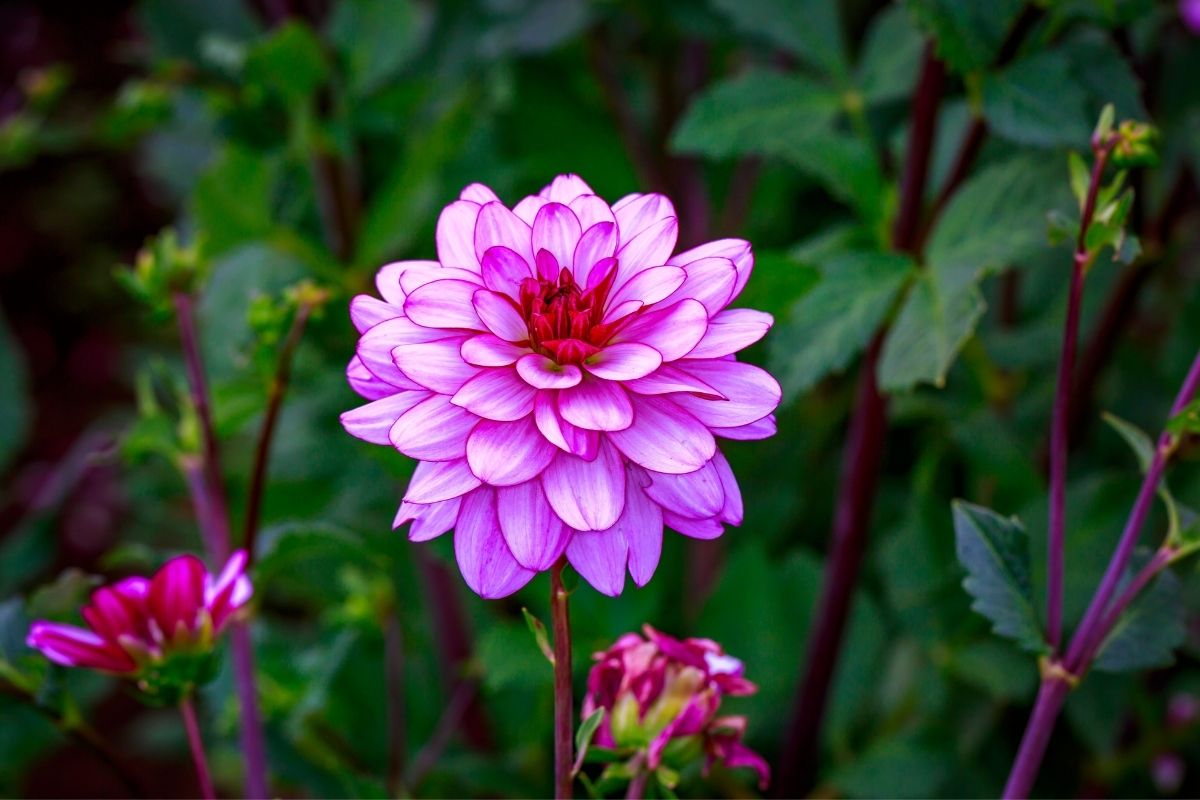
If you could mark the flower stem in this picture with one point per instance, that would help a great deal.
(253, 746)
(564, 701)
(1051, 696)
(637, 786)
(197, 744)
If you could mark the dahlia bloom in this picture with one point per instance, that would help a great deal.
(662, 695)
(561, 378)
(138, 625)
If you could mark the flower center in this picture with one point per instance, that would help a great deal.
(566, 320)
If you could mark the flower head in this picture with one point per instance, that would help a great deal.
(662, 696)
(159, 630)
(562, 378)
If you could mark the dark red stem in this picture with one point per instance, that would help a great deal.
(188, 712)
(564, 698)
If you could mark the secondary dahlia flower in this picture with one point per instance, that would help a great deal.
(662, 696)
(138, 625)
(560, 376)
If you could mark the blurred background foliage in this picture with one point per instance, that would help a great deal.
(315, 140)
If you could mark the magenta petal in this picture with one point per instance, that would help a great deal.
(177, 593)
(637, 212)
(752, 393)
(508, 453)
(650, 248)
(691, 494)
(433, 430)
(429, 520)
(732, 510)
(623, 362)
(668, 379)
(484, 559)
(556, 230)
(642, 526)
(372, 422)
(420, 273)
(565, 188)
(600, 557)
(760, 429)
(434, 481)
(496, 394)
(489, 350)
(590, 210)
(735, 754)
(364, 382)
(111, 615)
(597, 405)
(477, 193)
(435, 365)
(672, 331)
(456, 235)
(76, 647)
(709, 280)
(366, 312)
(500, 315)
(731, 331)
(230, 591)
(499, 227)
(562, 434)
(503, 270)
(596, 244)
(444, 304)
(695, 528)
(541, 372)
(376, 345)
(534, 533)
(588, 496)
(665, 438)
(649, 286)
(736, 250)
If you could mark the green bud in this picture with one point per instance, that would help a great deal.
(1136, 145)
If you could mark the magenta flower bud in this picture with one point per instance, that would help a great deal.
(562, 376)
(662, 696)
(138, 627)
(1189, 12)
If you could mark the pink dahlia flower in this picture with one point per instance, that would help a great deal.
(562, 376)
(661, 696)
(139, 623)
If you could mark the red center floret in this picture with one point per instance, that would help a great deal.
(565, 320)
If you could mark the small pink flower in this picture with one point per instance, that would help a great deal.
(562, 379)
(138, 622)
(661, 696)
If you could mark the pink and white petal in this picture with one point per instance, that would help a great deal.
(668, 379)
(456, 235)
(528, 207)
(600, 557)
(695, 494)
(435, 365)
(596, 244)
(423, 272)
(433, 430)
(534, 533)
(541, 372)
(764, 428)
(707, 528)
(366, 312)
(752, 393)
(709, 280)
(364, 382)
(444, 304)
(649, 286)
(587, 495)
(376, 345)
(732, 330)
(478, 193)
(565, 188)
(486, 563)
(508, 453)
(429, 520)
(597, 405)
(672, 331)
(503, 270)
(638, 212)
(642, 526)
(562, 434)
(388, 280)
(372, 421)
(623, 310)
(489, 350)
(75, 647)
(499, 227)
(556, 230)
(435, 481)
(591, 209)
(623, 362)
(664, 438)
(736, 250)
(650, 248)
(732, 510)
(177, 594)
(500, 315)
(497, 394)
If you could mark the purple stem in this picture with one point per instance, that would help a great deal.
(1162, 557)
(188, 712)
(253, 746)
(1051, 696)
(637, 786)
(564, 701)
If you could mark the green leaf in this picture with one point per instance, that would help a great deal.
(15, 409)
(377, 39)
(539, 634)
(1147, 634)
(835, 320)
(1038, 102)
(290, 61)
(902, 766)
(583, 737)
(232, 200)
(968, 33)
(1144, 448)
(1081, 177)
(933, 325)
(810, 29)
(994, 550)
(848, 168)
(1186, 421)
(887, 70)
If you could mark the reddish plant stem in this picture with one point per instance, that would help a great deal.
(564, 700)
(450, 720)
(861, 458)
(393, 664)
(637, 786)
(1051, 695)
(188, 712)
(604, 68)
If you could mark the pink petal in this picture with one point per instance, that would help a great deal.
(76, 647)
(600, 557)
(372, 422)
(590, 210)
(736, 250)
(456, 235)
(387, 279)
(732, 330)
(556, 230)
(541, 372)
(508, 453)
(546, 265)
(665, 438)
(177, 593)
(642, 527)
(489, 350)
(650, 248)
(499, 227)
(596, 244)
(534, 533)
(434, 481)
(565, 188)
(562, 434)
(667, 379)
(637, 212)
(444, 304)
(623, 362)
(648, 286)
(527, 209)
(435, 365)
(496, 394)
(597, 405)
(752, 393)
(672, 331)
(587, 495)
(420, 273)
(478, 193)
(732, 511)
(695, 494)
(112, 615)
(230, 591)
(366, 312)
(429, 520)
(375, 349)
(503, 270)
(434, 430)
(709, 280)
(484, 559)
(760, 429)
(695, 528)
(364, 382)
(500, 315)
